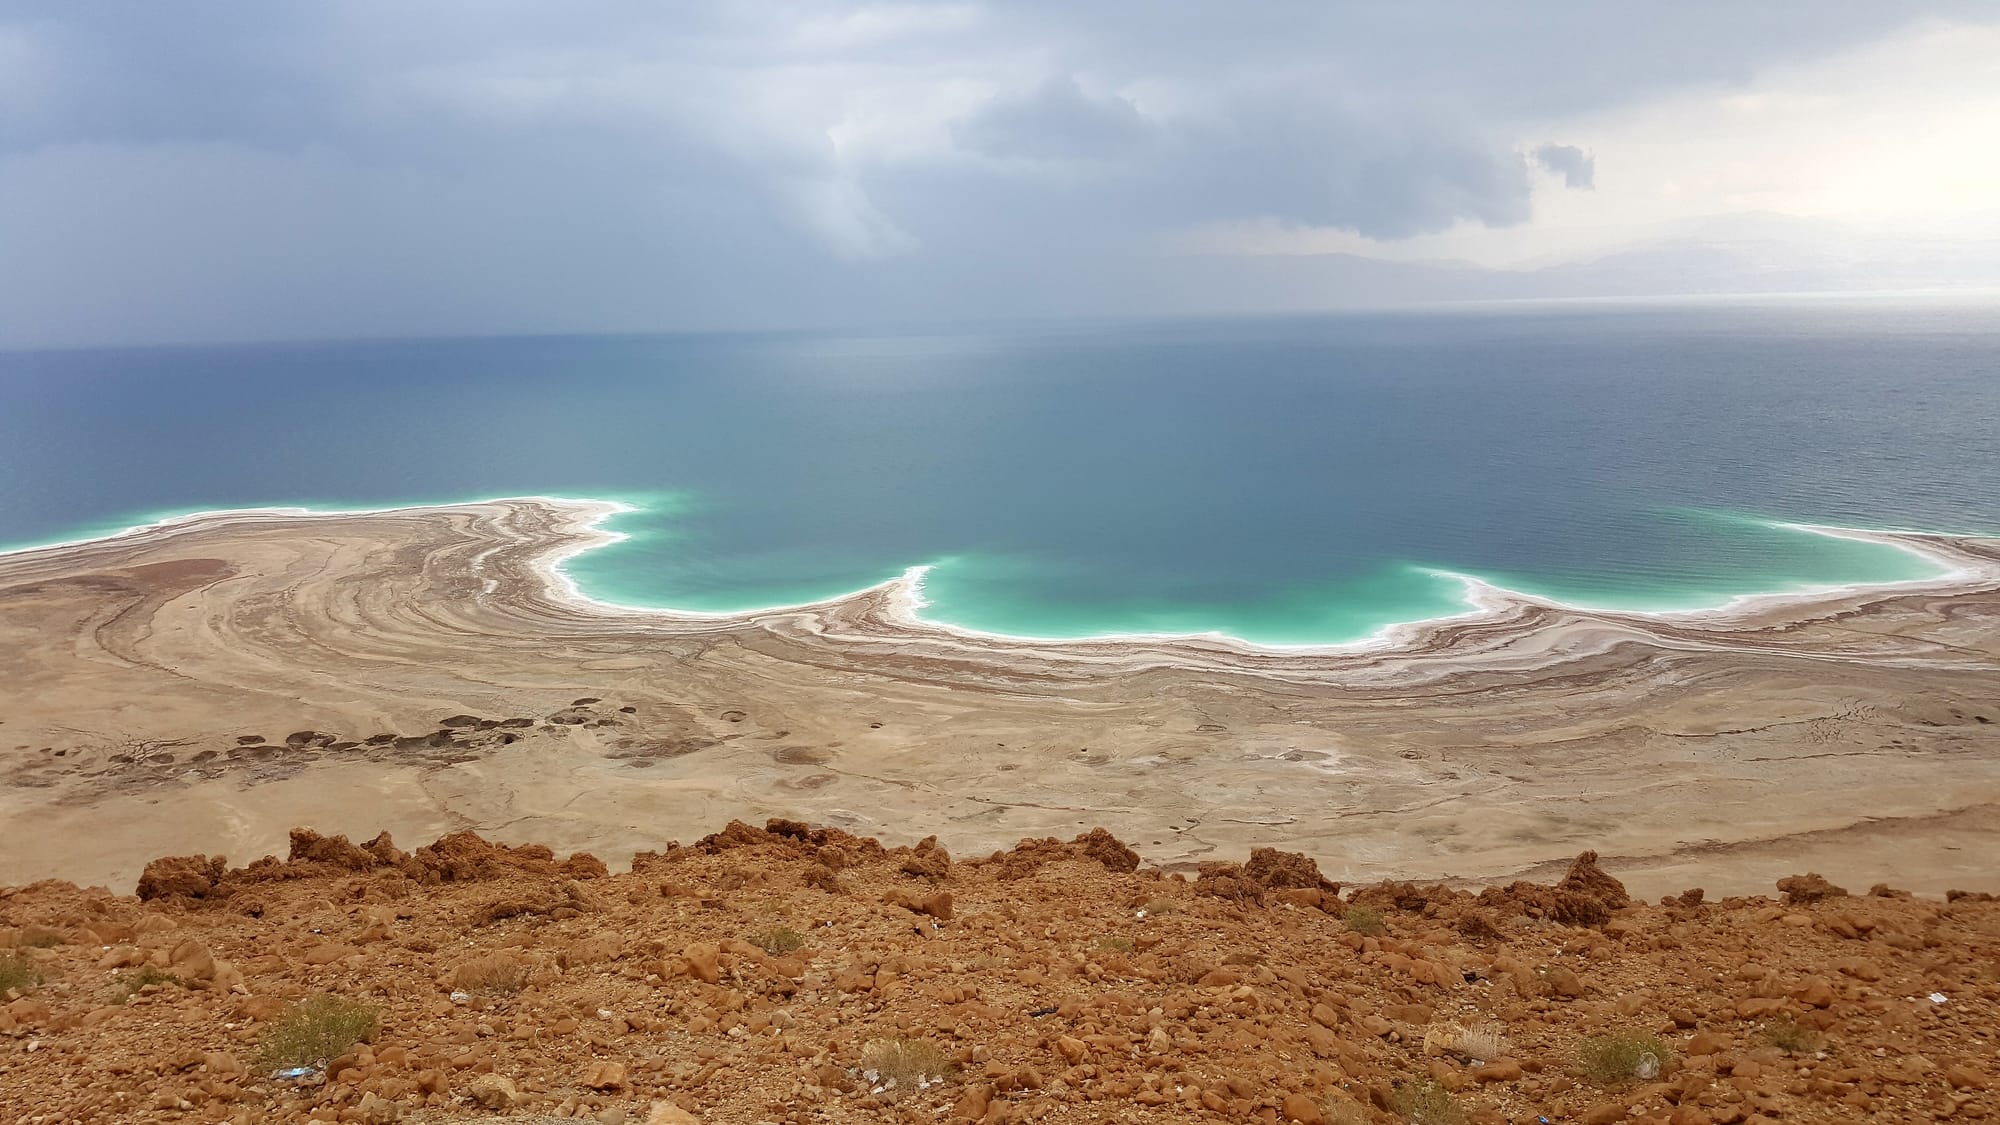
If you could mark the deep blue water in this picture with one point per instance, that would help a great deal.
(1283, 480)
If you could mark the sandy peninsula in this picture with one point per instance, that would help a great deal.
(207, 684)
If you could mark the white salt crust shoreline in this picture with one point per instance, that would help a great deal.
(1841, 733)
(900, 600)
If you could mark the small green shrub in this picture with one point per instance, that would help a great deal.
(1365, 922)
(314, 1031)
(780, 940)
(129, 984)
(1792, 1037)
(1424, 1102)
(1623, 1057)
(17, 972)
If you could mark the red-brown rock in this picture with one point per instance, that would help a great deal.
(1810, 887)
(186, 876)
(1106, 849)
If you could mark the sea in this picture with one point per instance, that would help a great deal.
(1296, 480)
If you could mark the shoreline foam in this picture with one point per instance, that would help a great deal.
(903, 596)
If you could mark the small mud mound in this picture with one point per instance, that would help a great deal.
(808, 783)
(656, 749)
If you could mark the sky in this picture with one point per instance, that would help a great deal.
(205, 171)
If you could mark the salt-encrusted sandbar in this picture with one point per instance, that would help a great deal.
(158, 673)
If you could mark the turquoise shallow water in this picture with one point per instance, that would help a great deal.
(1300, 480)
(1005, 595)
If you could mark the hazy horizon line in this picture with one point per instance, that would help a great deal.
(955, 326)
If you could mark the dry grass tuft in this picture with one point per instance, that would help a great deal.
(903, 1064)
(1365, 922)
(313, 1032)
(129, 984)
(1482, 1042)
(18, 973)
(1424, 1102)
(1792, 1037)
(1338, 1108)
(780, 940)
(1623, 1057)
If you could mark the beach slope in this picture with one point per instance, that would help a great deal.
(205, 684)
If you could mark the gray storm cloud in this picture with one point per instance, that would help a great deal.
(1055, 121)
(210, 170)
(1577, 168)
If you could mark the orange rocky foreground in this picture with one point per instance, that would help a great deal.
(766, 975)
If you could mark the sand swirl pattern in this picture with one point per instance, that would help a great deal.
(425, 669)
